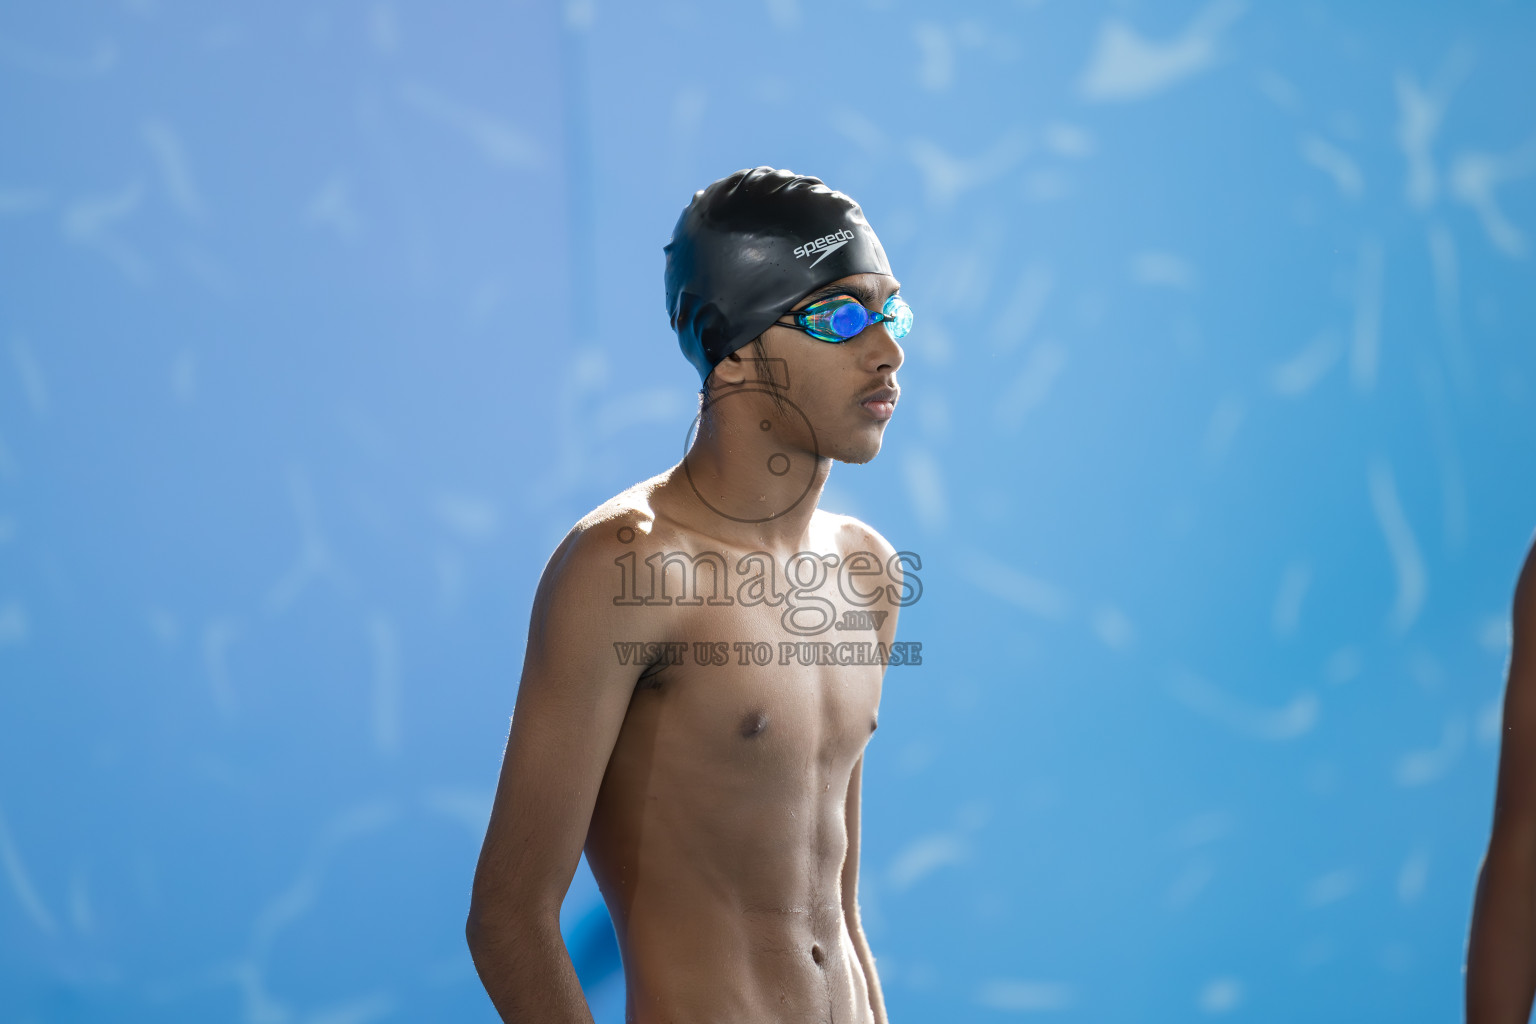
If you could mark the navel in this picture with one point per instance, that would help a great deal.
(753, 724)
(818, 955)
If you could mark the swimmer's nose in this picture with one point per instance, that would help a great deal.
(884, 352)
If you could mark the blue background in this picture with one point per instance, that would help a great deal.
(321, 323)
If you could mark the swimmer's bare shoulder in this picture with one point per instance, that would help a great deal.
(855, 536)
(571, 703)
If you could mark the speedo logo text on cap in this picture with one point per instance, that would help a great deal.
(826, 245)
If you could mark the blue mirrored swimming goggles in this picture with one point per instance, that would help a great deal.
(841, 317)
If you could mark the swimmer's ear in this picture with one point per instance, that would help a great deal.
(736, 368)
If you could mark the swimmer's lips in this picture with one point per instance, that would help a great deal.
(882, 404)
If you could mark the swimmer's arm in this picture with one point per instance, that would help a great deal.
(1501, 952)
(863, 537)
(851, 895)
(570, 705)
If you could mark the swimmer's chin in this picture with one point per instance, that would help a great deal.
(857, 455)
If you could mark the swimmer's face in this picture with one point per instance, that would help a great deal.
(846, 390)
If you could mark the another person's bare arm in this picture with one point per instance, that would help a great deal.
(570, 706)
(1501, 953)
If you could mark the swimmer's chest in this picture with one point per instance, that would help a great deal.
(748, 684)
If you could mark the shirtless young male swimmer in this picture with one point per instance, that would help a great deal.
(716, 795)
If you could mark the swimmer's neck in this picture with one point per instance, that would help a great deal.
(728, 490)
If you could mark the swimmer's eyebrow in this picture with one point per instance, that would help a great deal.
(863, 294)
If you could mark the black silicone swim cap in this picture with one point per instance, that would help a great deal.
(749, 247)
